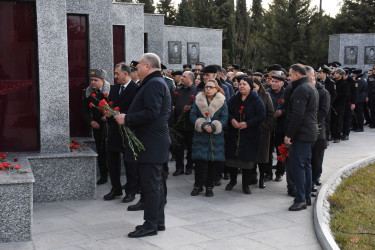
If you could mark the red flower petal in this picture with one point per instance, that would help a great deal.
(116, 109)
(17, 166)
(93, 95)
(106, 95)
(91, 104)
(110, 103)
(15, 159)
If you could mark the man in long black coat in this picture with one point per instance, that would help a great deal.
(148, 115)
(121, 95)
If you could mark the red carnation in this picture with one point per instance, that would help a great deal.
(17, 166)
(116, 109)
(192, 96)
(106, 95)
(242, 107)
(110, 103)
(206, 114)
(91, 104)
(85, 144)
(15, 159)
(240, 111)
(107, 112)
(93, 95)
(176, 93)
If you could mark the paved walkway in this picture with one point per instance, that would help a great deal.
(229, 220)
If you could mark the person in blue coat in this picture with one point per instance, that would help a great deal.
(148, 117)
(246, 113)
(209, 114)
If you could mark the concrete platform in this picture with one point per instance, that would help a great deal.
(229, 220)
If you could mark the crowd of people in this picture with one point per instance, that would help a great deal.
(218, 123)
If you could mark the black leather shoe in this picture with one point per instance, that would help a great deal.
(209, 192)
(331, 139)
(308, 202)
(246, 189)
(268, 178)
(196, 191)
(261, 182)
(160, 227)
(128, 198)
(336, 141)
(278, 177)
(178, 172)
(143, 232)
(345, 137)
(189, 171)
(101, 181)
(112, 195)
(314, 189)
(230, 186)
(318, 182)
(297, 206)
(137, 207)
(313, 194)
(358, 130)
(218, 182)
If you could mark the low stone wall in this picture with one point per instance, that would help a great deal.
(16, 204)
(322, 206)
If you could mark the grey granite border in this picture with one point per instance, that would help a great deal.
(322, 207)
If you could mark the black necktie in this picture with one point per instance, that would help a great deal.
(122, 89)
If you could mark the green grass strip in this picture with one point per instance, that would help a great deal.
(353, 210)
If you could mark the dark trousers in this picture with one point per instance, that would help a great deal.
(276, 140)
(206, 173)
(101, 148)
(185, 140)
(366, 112)
(348, 115)
(337, 119)
(371, 105)
(165, 173)
(358, 116)
(114, 166)
(151, 176)
(317, 158)
(246, 176)
(299, 163)
(328, 124)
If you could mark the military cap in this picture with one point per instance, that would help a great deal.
(336, 64)
(278, 77)
(258, 74)
(133, 65)
(99, 73)
(163, 66)
(340, 71)
(209, 69)
(357, 71)
(274, 67)
(177, 73)
(324, 69)
(201, 64)
(187, 66)
(236, 67)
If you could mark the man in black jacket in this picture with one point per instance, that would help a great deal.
(92, 116)
(121, 95)
(320, 144)
(362, 94)
(338, 106)
(148, 116)
(301, 132)
(351, 102)
(182, 104)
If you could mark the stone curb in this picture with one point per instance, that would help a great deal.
(321, 206)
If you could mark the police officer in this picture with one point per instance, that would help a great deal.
(92, 116)
(371, 97)
(134, 72)
(338, 106)
(350, 104)
(362, 94)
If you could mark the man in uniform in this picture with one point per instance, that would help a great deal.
(134, 71)
(351, 102)
(362, 94)
(371, 97)
(177, 78)
(92, 116)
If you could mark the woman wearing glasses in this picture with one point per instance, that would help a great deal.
(209, 114)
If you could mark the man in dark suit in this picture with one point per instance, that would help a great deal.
(100, 87)
(121, 95)
(149, 114)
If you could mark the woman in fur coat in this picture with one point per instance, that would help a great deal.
(209, 114)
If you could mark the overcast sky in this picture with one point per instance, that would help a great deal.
(330, 7)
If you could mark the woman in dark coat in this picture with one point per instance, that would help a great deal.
(265, 134)
(209, 114)
(246, 113)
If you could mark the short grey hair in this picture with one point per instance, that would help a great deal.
(310, 70)
(191, 75)
(223, 71)
(153, 60)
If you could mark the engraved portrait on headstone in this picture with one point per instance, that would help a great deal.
(350, 55)
(370, 55)
(192, 53)
(174, 52)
